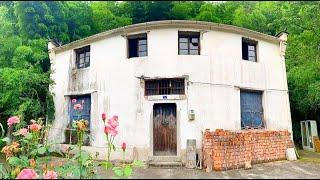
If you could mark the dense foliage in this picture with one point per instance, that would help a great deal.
(26, 27)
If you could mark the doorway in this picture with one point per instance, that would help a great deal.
(165, 129)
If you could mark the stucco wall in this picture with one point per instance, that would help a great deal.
(213, 91)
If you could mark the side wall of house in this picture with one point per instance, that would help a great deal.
(214, 80)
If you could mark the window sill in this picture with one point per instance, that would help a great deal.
(249, 61)
(166, 97)
(81, 69)
(141, 58)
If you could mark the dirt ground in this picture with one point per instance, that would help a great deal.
(273, 170)
(307, 167)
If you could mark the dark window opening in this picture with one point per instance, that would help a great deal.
(251, 109)
(138, 45)
(164, 86)
(249, 50)
(189, 43)
(80, 108)
(83, 57)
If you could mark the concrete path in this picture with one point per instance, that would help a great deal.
(272, 170)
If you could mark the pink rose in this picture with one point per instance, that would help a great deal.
(124, 146)
(23, 131)
(73, 100)
(51, 175)
(115, 117)
(110, 130)
(27, 174)
(77, 106)
(13, 120)
(113, 122)
(35, 127)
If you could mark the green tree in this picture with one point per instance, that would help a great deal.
(104, 19)
(184, 10)
(79, 19)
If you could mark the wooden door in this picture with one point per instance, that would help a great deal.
(164, 129)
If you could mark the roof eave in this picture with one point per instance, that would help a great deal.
(167, 23)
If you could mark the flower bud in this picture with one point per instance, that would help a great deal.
(124, 146)
(104, 116)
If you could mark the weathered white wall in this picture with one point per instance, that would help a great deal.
(215, 78)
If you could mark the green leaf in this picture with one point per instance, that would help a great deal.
(50, 149)
(3, 171)
(42, 150)
(74, 125)
(127, 171)
(14, 161)
(76, 172)
(24, 161)
(34, 152)
(138, 163)
(117, 171)
(107, 165)
(6, 139)
(28, 136)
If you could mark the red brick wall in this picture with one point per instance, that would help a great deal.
(231, 149)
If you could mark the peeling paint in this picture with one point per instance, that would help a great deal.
(214, 80)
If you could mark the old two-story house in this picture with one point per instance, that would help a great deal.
(168, 81)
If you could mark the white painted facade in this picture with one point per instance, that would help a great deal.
(213, 82)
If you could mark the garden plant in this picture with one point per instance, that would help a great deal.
(28, 153)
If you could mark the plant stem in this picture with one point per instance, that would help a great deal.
(123, 163)
(108, 153)
(79, 146)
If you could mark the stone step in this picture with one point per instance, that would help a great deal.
(164, 164)
(164, 159)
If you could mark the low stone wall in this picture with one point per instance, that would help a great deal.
(223, 149)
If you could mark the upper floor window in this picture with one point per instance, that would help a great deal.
(189, 43)
(249, 50)
(138, 45)
(83, 57)
(164, 86)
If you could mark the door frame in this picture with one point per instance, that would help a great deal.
(177, 128)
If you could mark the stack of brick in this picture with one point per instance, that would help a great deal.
(232, 149)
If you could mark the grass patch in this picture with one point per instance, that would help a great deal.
(308, 156)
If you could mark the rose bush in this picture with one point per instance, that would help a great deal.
(27, 153)
(24, 149)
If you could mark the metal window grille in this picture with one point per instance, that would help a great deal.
(164, 86)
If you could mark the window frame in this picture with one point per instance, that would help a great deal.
(189, 35)
(81, 96)
(263, 122)
(83, 50)
(163, 82)
(249, 42)
(138, 37)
